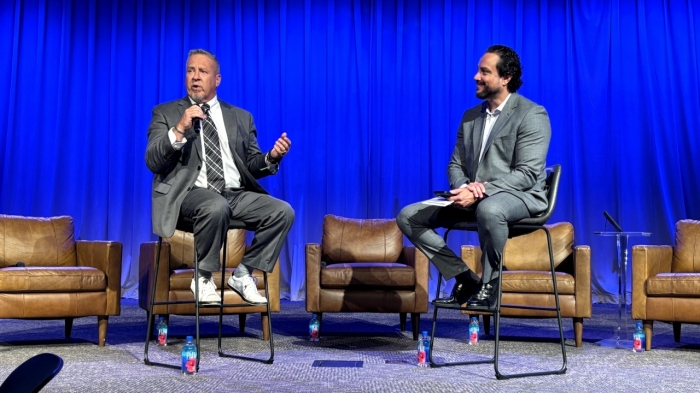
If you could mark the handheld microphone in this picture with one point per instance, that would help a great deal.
(197, 124)
(612, 222)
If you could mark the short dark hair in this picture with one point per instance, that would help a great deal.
(508, 65)
(207, 54)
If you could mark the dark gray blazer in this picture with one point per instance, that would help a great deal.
(176, 171)
(515, 153)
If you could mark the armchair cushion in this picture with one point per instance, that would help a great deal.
(674, 284)
(377, 275)
(37, 241)
(59, 279)
(686, 253)
(530, 252)
(350, 241)
(537, 282)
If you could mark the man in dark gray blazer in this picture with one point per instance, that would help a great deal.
(205, 158)
(496, 174)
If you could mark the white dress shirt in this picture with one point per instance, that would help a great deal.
(232, 176)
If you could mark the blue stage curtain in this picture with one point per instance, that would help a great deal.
(371, 94)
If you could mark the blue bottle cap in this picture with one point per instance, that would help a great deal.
(189, 338)
(425, 332)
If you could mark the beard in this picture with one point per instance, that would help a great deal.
(487, 92)
(198, 97)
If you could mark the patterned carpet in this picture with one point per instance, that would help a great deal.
(388, 355)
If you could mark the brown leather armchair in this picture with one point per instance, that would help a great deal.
(666, 281)
(174, 282)
(527, 279)
(61, 278)
(363, 266)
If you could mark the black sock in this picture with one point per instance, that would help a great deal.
(467, 276)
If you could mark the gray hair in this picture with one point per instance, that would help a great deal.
(207, 54)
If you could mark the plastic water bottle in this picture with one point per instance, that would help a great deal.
(474, 331)
(424, 350)
(189, 357)
(162, 332)
(639, 338)
(314, 326)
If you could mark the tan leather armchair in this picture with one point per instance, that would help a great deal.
(666, 281)
(174, 282)
(363, 266)
(61, 278)
(528, 279)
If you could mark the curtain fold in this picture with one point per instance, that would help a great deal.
(370, 93)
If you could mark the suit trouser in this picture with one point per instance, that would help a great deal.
(272, 219)
(418, 222)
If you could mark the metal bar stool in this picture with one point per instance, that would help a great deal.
(523, 226)
(186, 225)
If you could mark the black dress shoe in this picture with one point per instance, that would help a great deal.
(460, 294)
(486, 298)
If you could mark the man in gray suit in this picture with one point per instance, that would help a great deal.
(205, 158)
(496, 174)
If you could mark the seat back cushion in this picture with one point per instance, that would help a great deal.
(686, 254)
(182, 249)
(347, 240)
(37, 241)
(530, 252)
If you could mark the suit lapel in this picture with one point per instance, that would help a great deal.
(231, 128)
(230, 122)
(502, 120)
(476, 140)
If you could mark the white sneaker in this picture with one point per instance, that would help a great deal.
(207, 291)
(247, 288)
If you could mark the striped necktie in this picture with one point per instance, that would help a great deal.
(212, 147)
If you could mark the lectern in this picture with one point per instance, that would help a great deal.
(621, 337)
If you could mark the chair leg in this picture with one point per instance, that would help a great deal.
(150, 319)
(265, 330)
(578, 332)
(648, 330)
(677, 332)
(431, 352)
(487, 323)
(415, 325)
(266, 326)
(102, 329)
(69, 327)
(557, 308)
(402, 321)
(241, 322)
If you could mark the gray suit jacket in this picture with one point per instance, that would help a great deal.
(515, 153)
(176, 171)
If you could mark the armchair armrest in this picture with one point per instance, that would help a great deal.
(582, 275)
(105, 256)
(419, 262)
(147, 259)
(471, 255)
(647, 261)
(313, 277)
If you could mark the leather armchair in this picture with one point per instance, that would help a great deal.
(666, 281)
(176, 271)
(61, 278)
(363, 266)
(527, 278)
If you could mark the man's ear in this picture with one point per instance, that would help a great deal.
(218, 80)
(506, 79)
